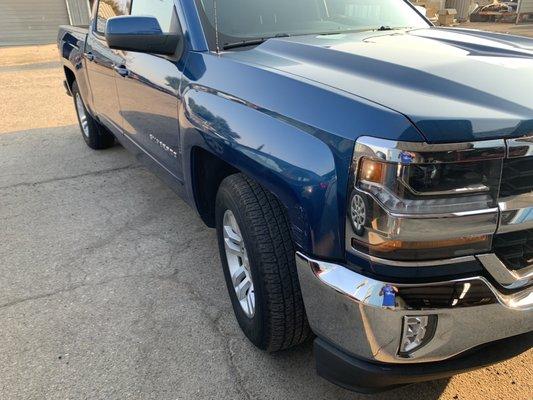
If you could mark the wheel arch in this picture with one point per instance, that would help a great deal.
(70, 76)
(207, 173)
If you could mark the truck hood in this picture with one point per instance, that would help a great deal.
(453, 84)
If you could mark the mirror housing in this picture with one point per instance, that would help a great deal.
(141, 34)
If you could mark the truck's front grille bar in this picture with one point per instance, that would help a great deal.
(517, 177)
(515, 249)
(513, 243)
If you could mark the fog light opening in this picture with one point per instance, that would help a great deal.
(416, 333)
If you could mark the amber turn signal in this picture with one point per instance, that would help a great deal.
(372, 171)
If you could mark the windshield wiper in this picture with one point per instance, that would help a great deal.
(388, 28)
(339, 32)
(253, 42)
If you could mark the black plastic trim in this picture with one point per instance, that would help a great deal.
(365, 376)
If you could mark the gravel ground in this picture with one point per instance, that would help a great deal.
(31, 89)
(112, 287)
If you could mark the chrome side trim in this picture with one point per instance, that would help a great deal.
(516, 220)
(510, 279)
(413, 227)
(458, 214)
(452, 192)
(520, 147)
(517, 202)
(413, 264)
(417, 229)
(423, 215)
(516, 213)
(421, 152)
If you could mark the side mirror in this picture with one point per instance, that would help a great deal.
(141, 34)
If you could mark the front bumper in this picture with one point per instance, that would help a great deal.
(349, 311)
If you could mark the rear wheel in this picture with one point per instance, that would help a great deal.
(95, 135)
(258, 259)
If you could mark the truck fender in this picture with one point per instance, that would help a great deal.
(285, 156)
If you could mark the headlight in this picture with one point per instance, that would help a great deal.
(414, 201)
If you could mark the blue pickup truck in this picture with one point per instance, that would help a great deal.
(369, 175)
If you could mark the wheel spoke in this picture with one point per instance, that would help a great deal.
(233, 248)
(250, 301)
(238, 276)
(232, 235)
(234, 225)
(238, 264)
(246, 261)
(242, 289)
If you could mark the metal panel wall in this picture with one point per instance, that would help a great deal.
(525, 6)
(31, 21)
(78, 11)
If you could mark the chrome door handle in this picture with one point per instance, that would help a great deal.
(121, 70)
(89, 57)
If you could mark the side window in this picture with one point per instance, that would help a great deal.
(163, 10)
(108, 9)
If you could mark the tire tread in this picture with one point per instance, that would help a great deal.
(286, 324)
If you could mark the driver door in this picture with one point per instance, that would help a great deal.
(101, 63)
(148, 92)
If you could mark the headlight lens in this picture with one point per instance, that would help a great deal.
(415, 206)
(431, 188)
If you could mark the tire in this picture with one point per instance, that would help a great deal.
(278, 321)
(95, 135)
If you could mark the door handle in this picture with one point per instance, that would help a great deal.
(89, 57)
(121, 70)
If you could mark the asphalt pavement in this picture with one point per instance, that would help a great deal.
(111, 287)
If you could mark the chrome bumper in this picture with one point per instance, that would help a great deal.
(348, 310)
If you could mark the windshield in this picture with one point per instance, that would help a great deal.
(244, 20)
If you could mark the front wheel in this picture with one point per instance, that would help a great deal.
(95, 135)
(258, 259)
